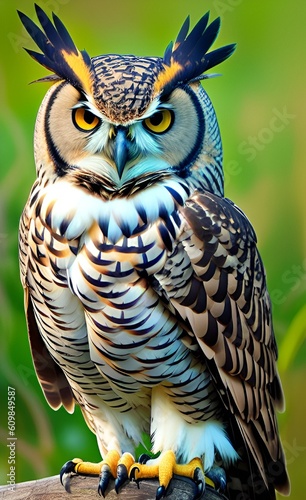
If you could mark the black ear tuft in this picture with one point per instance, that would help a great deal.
(189, 58)
(59, 53)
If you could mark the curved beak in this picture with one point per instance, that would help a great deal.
(121, 148)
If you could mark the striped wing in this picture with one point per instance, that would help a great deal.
(227, 306)
(51, 378)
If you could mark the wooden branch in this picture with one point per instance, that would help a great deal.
(82, 488)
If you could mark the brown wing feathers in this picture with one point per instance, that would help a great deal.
(236, 332)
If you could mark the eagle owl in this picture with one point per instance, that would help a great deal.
(145, 294)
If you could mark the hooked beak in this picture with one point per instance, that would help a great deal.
(121, 148)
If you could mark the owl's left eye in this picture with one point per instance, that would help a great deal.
(160, 122)
(84, 120)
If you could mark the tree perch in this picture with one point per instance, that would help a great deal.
(82, 488)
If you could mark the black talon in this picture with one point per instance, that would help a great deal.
(160, 492)
(218, 476)
(105, 477)
(199, 483)
(68, 468)
(132, 475)
(144, 457)
(200, 491)
(122, 477)
(223, 484)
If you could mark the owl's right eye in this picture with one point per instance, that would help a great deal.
(84, 119)
(160, 122)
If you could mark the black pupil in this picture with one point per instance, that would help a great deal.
(156, 119)
(88, 117)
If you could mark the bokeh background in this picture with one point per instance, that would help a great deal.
(260, 102)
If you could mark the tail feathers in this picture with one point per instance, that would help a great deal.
(256, 475)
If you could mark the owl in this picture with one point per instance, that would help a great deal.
(145, 294)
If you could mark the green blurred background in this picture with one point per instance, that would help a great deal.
(260, 103)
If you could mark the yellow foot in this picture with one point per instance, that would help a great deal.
(165, 468)
(113, 466)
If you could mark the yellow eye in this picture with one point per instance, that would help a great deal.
(160, 122)
(84, 120)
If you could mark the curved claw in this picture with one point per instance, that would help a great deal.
(67, 469)
(218, 476)
(222, 485)
(160, 492)
(105, 477)
(122, 477)
(144, 457)
(199, 481)
(132, 475)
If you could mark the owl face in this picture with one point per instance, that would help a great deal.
(116, 119)
(168, 136)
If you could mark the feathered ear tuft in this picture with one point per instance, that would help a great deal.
(59, 53)
(188, 59)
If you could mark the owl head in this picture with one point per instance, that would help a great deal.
(115, 122)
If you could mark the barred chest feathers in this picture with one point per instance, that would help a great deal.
(104, 253)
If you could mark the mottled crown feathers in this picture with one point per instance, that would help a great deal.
(184, 61)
